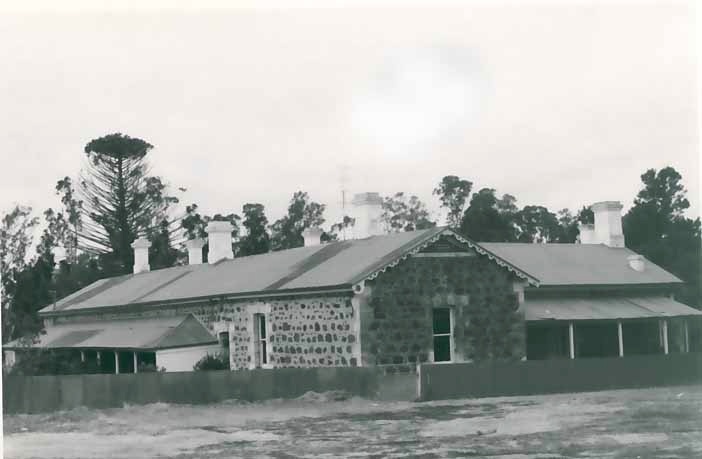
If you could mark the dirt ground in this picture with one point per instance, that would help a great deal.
(646, 423)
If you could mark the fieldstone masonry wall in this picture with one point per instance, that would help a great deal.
(302, 332)
(389, 323)
(396, 315)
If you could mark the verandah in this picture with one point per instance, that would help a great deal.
(610, 338)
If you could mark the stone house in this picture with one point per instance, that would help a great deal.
(392, 300)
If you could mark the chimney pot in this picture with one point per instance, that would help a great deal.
(141, 255)
(312, 236)
(194, 247)
(219, 237)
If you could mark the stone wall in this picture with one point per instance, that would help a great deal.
(396, 311)
(302, 332)
(389, 323)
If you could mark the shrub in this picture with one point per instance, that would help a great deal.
(149, 368)
(212, 362)
(37, 362)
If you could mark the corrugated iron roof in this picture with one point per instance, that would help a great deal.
(578, 264)
(344, 263)
(156, 333)
(610, 308)
(326, 265)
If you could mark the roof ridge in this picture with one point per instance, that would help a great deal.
(430, 237)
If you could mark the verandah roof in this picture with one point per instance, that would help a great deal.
(610, 308)
(144, 334)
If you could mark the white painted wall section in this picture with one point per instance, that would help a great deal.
(184, 358)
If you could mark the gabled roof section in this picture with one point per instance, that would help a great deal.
(432, 236)
(144, 334)
(578, 264)
(336, 265)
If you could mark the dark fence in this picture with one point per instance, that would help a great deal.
(32, 394)
(487, 379)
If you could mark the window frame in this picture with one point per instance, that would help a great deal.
(450, 334)
(223, 338)
(260, 338)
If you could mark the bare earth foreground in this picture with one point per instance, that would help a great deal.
(663, 423)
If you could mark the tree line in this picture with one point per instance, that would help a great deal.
(115, 199)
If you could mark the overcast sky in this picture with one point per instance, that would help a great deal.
(559, 105)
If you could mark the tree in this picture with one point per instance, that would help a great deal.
(568, 231)
(586, 216)
(16, 229)
(193, 223)
(338, 229)
(453, 193)
(256, 240)
(27, 284)
(536, 224)
(120, 200)
(568, 224)
(71, 277)
(489, 219)
(162, 253)
(286, 233)
(657, 228)
(403, 214)
(28, 290)
(69, 222)
(663, 190)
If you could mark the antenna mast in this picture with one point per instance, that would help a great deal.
(343, 181)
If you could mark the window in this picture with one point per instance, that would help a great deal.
(260, 340)
(443, 334)
(224, 339)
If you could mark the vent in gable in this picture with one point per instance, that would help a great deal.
(637, 262)
(444, 245)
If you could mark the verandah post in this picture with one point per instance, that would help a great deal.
(116, 362)
(687, 336)
(621, 339)
(571, 340)
(665, 337)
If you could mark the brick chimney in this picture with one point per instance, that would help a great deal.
(219, 238)
(194, 247)
(367, 210)
(587, 233)
(141, 255)
(608, 223)
(312, 236)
